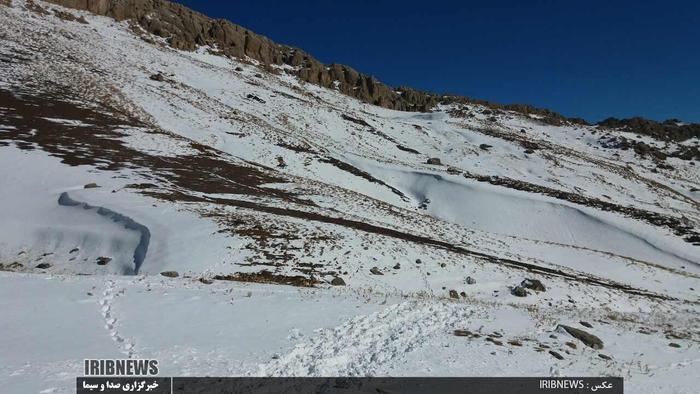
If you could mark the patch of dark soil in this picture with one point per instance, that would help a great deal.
(413, 238)
(407, 149)
(677, 225)
(268, 277)
(297, 148)
(362, 174)
(356, 121)
(97, 142)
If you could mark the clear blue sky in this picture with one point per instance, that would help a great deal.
(590, 59)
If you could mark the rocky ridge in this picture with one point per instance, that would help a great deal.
(186, 29)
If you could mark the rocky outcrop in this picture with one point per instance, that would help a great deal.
(185, 29)
(671, 129)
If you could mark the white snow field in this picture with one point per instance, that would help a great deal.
(258, 205)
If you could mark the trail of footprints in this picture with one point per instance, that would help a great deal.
(106, 303)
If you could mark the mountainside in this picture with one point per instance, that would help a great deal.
(302, 230)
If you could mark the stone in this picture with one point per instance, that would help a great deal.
(102, 260)
(588, 339)
(462, 333)
(533, 284)
(586, 324)
(170, 274)
(556, 355)
(519, 291)
(91, 186)
(338, 281)
(454, 294)
(43, 266)
(470, 280)
(376, 271)
(434, 161)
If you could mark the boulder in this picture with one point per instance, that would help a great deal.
(170, 274)
(102, 260)
(556, 355)
(533, 284)
(588, 339)
(519, 291)
(338, 281)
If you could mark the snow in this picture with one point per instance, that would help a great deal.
(342, 224)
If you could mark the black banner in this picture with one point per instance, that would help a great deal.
(570, 385)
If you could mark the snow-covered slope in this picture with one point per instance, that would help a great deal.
(238, 174)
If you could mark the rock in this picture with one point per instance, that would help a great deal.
(571, 345)
(470, 280)
(206, 281)
(256, 98)
(239, 68)
(515, 343)
(463, 294)
(454, 294)
(170, 274)
(418, 261)
(73, 250)
(376, 271)
(187, 30)
(397, 266)
(338, 281)
(519, 291)
(673, 344)
(443, 265)
(434, 161)
(528, 151)
(485, 146)
(556, 355)
(103, 260)
(588, 339)
(604, 356)
(43, 266)
(462, 333)
(157, 77)
(91, 186)
(586, 324)
(533, 284)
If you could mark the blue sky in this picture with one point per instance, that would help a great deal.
(591, 59)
